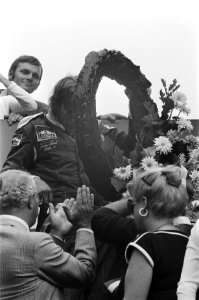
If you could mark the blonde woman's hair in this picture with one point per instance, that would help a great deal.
(166, 196)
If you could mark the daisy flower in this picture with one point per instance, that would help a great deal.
(148, 162)
(123, 172)
(163, 144)
(194, 175)
(194, 155)
(179, 99)
(184, 124)
(184, 109)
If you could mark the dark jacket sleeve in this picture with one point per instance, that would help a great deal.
(22, 152)
(110, 227)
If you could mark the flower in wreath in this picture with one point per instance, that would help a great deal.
(148, 162)
(121, 177)
(123, 172)
(194, 175)
(184, 124)
(163, 145)
(173, 143)
(179, 99)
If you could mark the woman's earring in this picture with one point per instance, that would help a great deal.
(143, 212)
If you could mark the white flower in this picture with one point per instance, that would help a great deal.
(163, 144)
(184, 109)
(193, 162)
(123, 172)
(148, 162)
(194, 154)
(179, 99)
(184, 124)
(194, 175)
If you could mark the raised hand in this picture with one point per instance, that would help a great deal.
(80, 212)
(60, 225)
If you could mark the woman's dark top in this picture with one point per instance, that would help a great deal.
(164, 250)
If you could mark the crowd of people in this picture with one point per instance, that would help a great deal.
(127, 249)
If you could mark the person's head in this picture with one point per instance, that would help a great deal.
(26, 71)
(158, 193)
(61, 102)
(19, 195)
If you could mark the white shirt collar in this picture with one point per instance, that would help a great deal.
(16, 219)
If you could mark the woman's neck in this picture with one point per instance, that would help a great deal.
(160, 224)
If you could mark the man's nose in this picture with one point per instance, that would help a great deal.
(29, 76)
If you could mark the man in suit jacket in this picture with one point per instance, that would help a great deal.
(32, 265)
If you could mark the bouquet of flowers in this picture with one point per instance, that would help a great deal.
(174, 143)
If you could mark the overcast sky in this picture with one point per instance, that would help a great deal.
(159, 36)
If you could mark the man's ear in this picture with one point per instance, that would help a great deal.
(30, 203)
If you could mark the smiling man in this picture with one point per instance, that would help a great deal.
(24, 77)
(26, 71)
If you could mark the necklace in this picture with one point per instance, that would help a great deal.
(169, 223)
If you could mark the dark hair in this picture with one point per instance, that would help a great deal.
(63, 93)
(166, 195)
(23, 59)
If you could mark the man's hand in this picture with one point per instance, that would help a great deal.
(58, 220)
(80, 212)
(13, 118)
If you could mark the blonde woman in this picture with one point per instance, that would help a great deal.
(155, 258)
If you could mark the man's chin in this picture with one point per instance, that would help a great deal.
(28, 89)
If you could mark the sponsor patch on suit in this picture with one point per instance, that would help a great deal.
(16, 140)
(46, 137)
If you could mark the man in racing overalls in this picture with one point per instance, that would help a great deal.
(42, 146)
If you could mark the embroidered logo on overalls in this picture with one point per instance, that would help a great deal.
(16, 140)
(46, 137)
